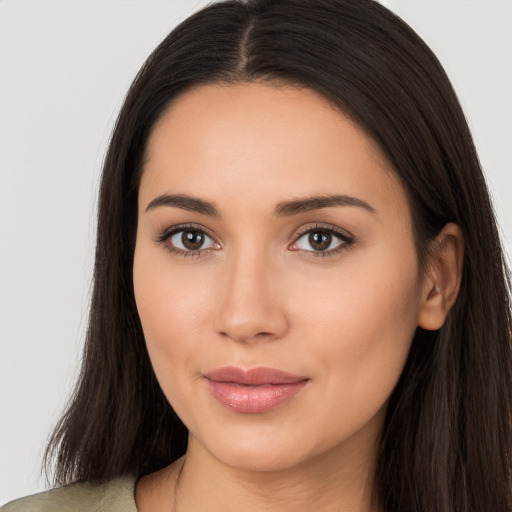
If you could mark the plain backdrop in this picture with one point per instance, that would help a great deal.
(64, 69)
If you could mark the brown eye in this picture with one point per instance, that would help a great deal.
(319, 241)
(325, 241)
(189, 240)
(192, 240)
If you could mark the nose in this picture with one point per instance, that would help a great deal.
(250, 307)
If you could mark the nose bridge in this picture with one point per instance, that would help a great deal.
(249, 306)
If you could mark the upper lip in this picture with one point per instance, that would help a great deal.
(253, 376)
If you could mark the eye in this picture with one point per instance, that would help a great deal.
(191, 240)
(325, 241)
(187, 240)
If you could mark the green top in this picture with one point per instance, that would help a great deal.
(118, 495)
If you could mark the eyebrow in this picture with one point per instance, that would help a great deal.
(283, 209)
(185, 202)
(289, 208)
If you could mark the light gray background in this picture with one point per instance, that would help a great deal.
(64, 69)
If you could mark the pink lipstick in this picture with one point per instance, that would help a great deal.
(253, 390)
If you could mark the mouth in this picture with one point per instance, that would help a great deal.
(253, 390)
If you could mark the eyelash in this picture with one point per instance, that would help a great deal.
(347, 240)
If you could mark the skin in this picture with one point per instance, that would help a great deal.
(260, 294)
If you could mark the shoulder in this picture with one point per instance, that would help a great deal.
(114, 496)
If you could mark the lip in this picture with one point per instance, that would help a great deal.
(253, 390)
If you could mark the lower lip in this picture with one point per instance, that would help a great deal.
(253, 399)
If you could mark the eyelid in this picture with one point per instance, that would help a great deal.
(169, 232)
(176, 228)
(347, 239)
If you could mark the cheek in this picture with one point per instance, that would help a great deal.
(165, 307)
(166, 299)
(363, 328)
(172, 302)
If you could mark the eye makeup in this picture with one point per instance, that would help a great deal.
(193, 240)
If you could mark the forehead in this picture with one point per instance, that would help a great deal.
(263, 143)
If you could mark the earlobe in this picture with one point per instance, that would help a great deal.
(443, 277)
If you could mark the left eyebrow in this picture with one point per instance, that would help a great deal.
(289, 208)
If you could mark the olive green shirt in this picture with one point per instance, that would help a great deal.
(117, 495)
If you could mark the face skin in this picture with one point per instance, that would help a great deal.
(259, 293)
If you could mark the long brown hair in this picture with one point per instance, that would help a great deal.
(446, 442)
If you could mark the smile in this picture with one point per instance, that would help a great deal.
(255, 390)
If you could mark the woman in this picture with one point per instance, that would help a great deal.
(300, 300)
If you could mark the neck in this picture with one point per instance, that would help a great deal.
(331, 482)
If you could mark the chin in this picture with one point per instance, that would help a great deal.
(265, 460)
(257, 451)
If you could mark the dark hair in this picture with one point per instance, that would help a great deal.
(446, 441)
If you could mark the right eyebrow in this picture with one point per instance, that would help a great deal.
(185, 202)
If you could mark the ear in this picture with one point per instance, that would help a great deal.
(442, 278)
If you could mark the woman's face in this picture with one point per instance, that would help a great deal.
(275, 275)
